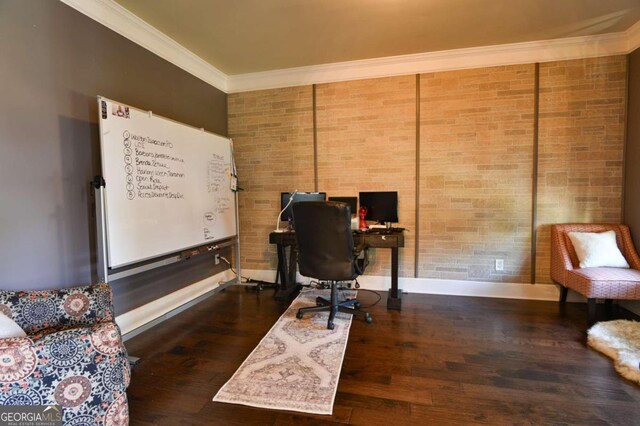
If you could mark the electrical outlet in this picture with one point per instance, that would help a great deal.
(217, 259)
(499, 264)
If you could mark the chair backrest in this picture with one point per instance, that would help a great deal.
(324, 239)
(563, 255)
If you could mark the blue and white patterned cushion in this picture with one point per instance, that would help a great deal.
(47, 309)
(73, 355)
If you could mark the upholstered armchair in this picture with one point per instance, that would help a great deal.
(73, 355)
(594, 283)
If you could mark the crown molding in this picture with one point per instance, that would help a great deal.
(477, 57)
(633, 37)
(117, 18)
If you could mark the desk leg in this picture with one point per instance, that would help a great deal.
(394, 299)
(293, 265)
(288, 284)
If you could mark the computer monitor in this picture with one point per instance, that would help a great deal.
(352, 201)
(287, 215)
(381, 206)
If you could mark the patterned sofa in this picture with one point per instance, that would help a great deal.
(594, 283)
(73, 355)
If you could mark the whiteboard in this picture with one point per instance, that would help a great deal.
(168, 185)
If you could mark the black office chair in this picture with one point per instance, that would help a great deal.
(326, 252)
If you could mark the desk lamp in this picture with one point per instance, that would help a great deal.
(293, 194)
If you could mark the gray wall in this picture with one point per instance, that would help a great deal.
(632, 161)
(632, 154)
(54, 61)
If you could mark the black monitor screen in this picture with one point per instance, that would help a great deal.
(381, 206)
(352, 201)
(300, 196)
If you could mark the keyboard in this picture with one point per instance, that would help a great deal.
(379, 231)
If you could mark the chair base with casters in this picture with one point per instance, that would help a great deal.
(348, 306)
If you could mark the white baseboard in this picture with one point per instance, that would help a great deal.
(139, 317)
(457, 288)
(444, 287)
(152, 311)
(480, 289)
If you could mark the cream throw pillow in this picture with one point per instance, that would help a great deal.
(9, 328)
(597, 249)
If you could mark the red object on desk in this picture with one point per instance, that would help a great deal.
(363, 223)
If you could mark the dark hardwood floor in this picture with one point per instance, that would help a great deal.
(441, 360)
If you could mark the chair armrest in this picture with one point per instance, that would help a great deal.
(40, 310)
(629, 249)
(38, 369)
(560, 259)
(359, 248)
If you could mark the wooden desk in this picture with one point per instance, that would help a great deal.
(287, 268)
(286, 242)
(391, 241)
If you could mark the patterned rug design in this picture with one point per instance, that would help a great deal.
(297, 364)
(620, 341)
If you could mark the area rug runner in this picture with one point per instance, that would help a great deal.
(619, 340)
(297, 364)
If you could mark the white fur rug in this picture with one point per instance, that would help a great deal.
(619, 340)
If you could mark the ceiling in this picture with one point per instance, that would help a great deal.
(246, 36)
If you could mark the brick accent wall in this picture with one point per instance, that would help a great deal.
(272, 131)
(476, 165)
(581, 140)
(476, 159)
(366, 134)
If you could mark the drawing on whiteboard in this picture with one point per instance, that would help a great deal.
(153, 165)
(216, 169)
(128, 168)
(209, 218)
(223, 204)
